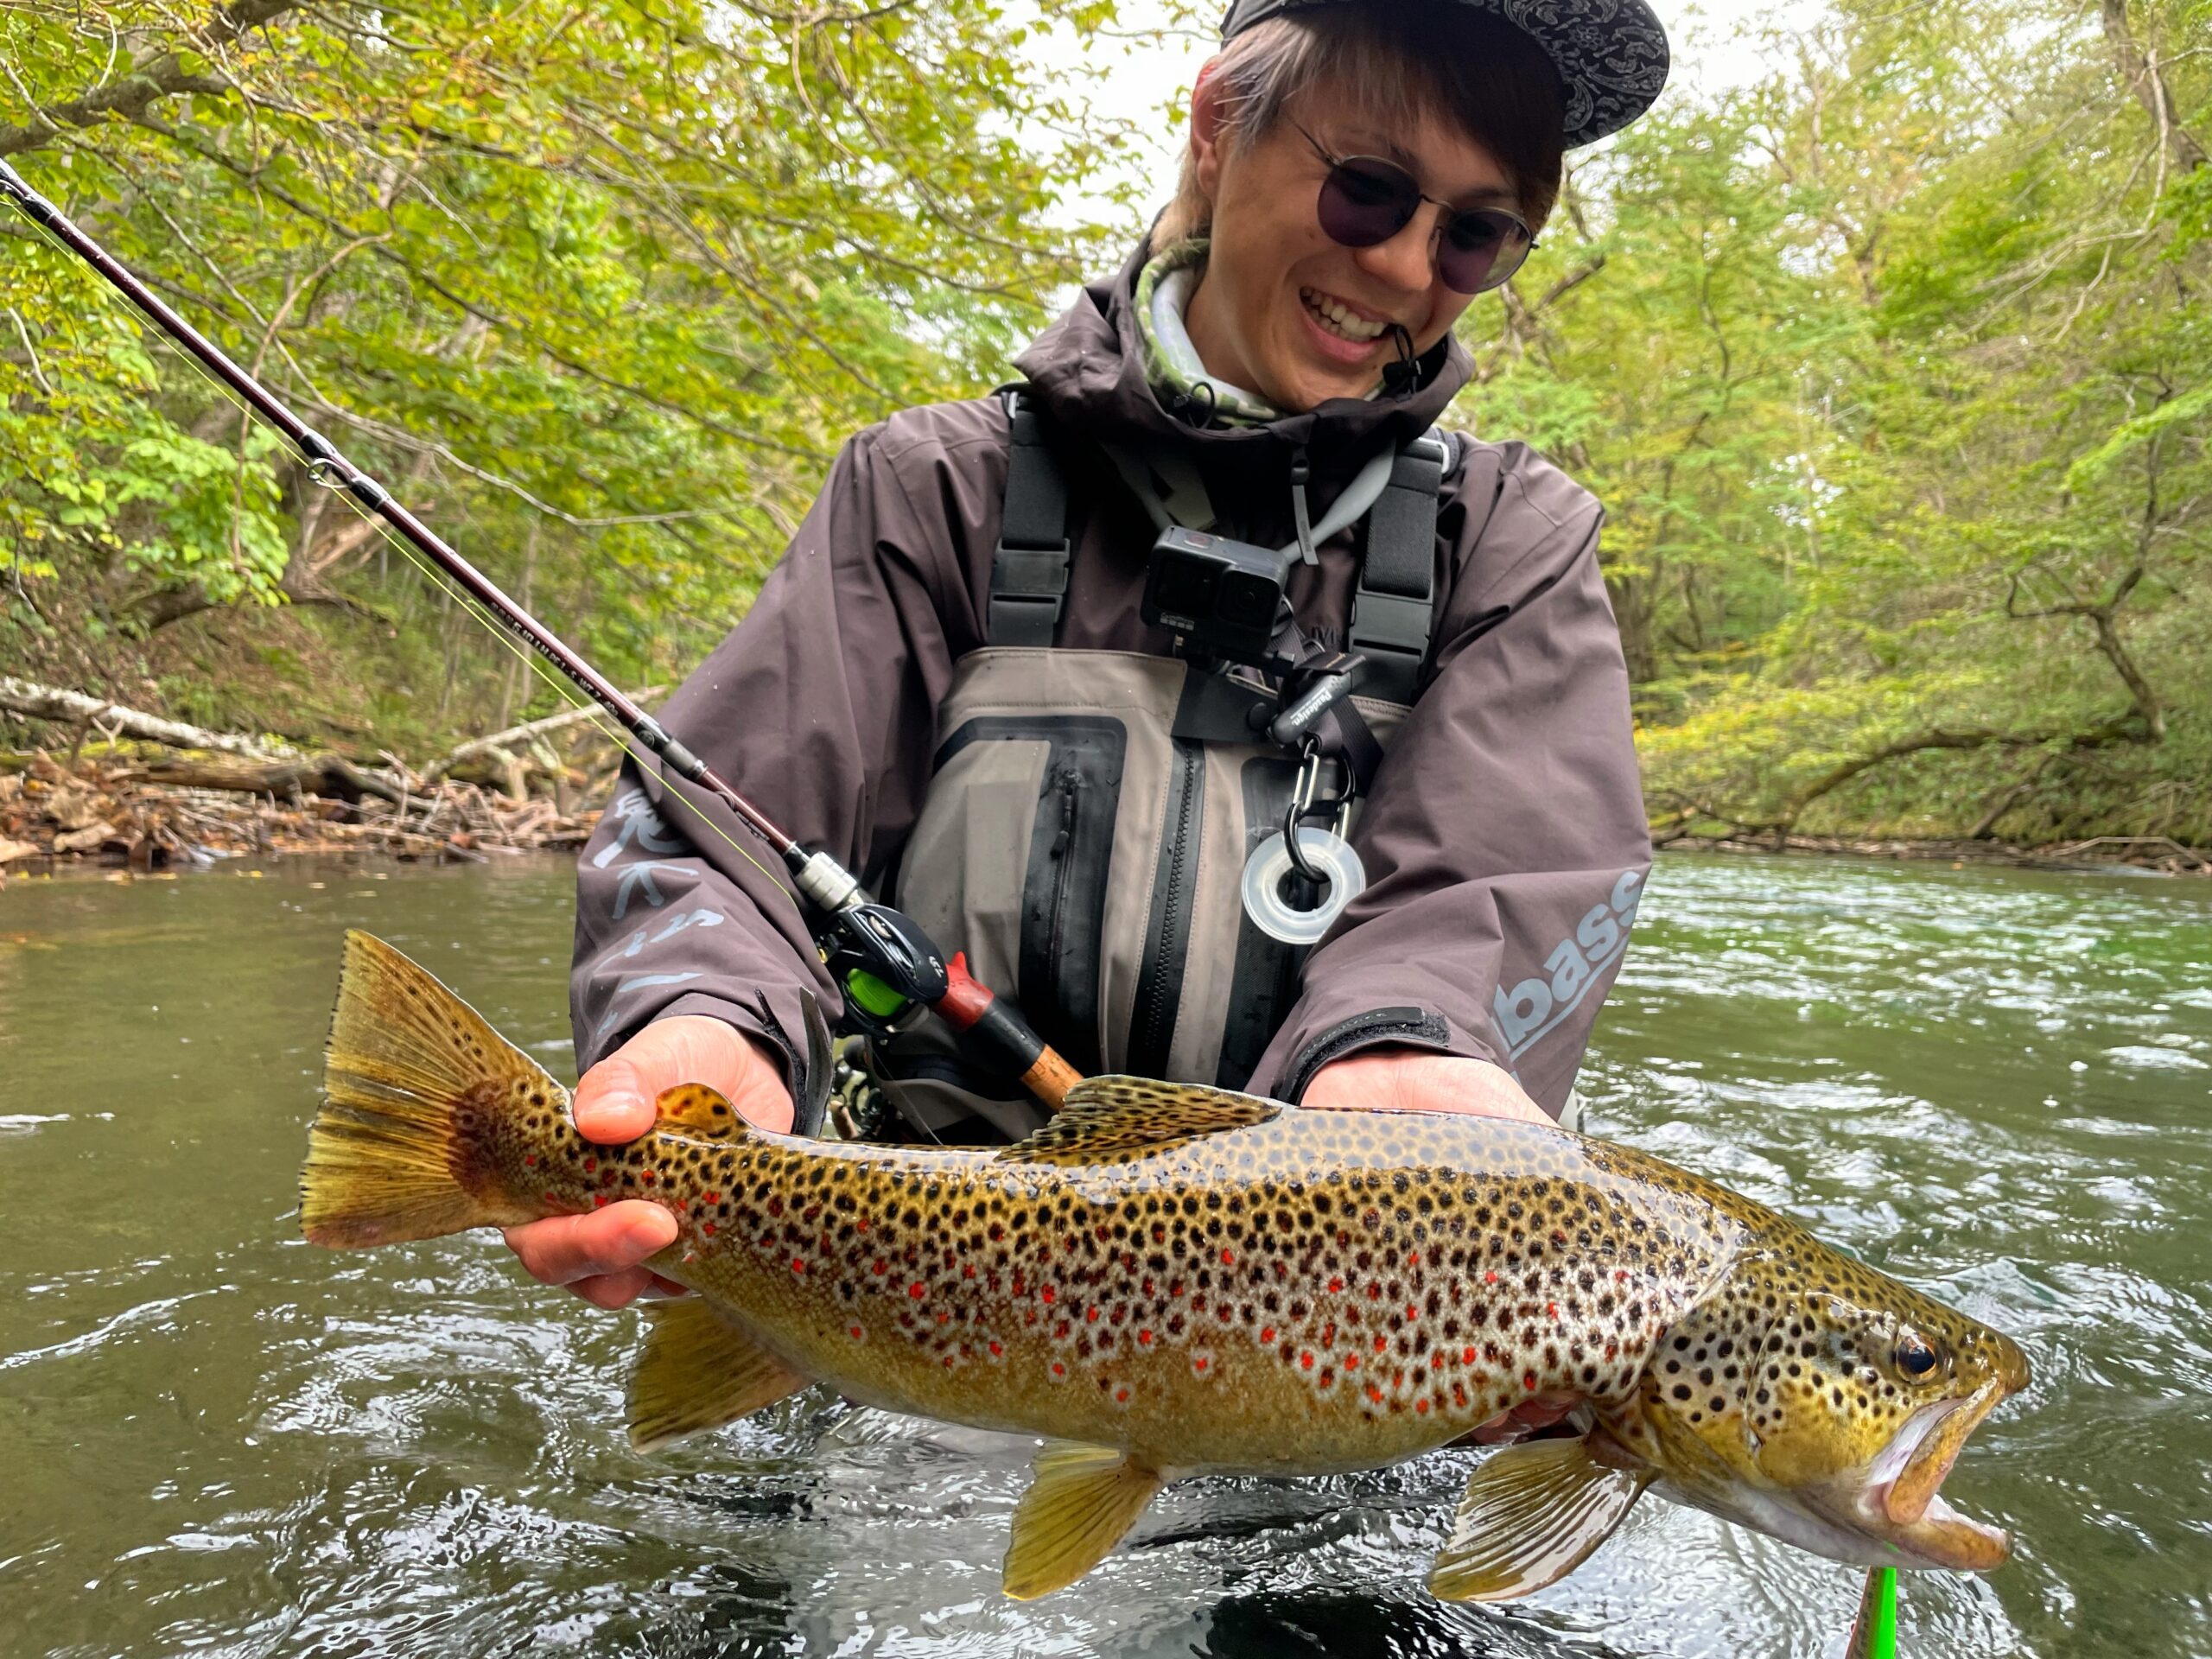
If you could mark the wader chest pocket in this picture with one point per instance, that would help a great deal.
(1010, 858)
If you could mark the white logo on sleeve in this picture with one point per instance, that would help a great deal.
(1529, 1011)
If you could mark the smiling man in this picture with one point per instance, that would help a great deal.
(951, 682)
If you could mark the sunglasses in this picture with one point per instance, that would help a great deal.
(1366, 200)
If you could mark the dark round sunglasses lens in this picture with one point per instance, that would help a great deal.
(1480, 249)
(1362, 205)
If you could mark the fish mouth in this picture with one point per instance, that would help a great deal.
(1900, 1503)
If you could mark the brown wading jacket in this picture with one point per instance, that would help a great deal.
(1504, 837)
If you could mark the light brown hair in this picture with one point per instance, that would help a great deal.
(1436, 59)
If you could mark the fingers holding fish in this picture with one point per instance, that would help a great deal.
(600, 1256)
(1402, 1080)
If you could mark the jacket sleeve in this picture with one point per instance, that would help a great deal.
(1505, 840)
(820, 708)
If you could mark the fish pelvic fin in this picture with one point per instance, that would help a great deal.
(1531, 1514)
(698, 1371)
(1083, 1502)
(413, 1084)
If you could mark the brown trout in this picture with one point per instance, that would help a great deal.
(1169, 1280)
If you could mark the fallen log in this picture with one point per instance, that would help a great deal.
(331, 776)
(75, 709)
(499, 746)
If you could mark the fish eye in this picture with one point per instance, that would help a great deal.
(1915, 1357)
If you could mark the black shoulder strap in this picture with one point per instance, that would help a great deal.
(1394, 608)
(1029, 572)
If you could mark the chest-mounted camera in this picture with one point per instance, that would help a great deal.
(1226, 598)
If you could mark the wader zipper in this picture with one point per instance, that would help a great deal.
(1067, 785)
(1160, 984)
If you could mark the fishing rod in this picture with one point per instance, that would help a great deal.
(884, 961)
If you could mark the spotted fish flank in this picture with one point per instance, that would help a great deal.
(1179, 1280)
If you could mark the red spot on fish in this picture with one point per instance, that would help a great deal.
(881, 1266)
(1199, 1363)
(1529, 1381)
(968, 1272)
(1121, 1395)
(1466, 1356)
(1380, 1343)
(1147, 1286)
(530, 1160)
(1175, 1289)
(944, 1318)
(1307, 1361)
(598, 1200)
(775, 1206)
(1375, 1394)
(590, 1164)
(917, 1290)
(1058, 1370)
(1421, 1405)
(1336, 1284)
(1045, 1295)
(1489, 1278)
(1092, 1317)
(1228, 1256)
(647, 1178)
(996, 1349)
(1267, 1334)
(1412, 1312)
(707, 1228)
(1552, 1308)
(1373, 1292)
(948, 1361)
(1351, 1362)
(798, 1264)
(1145, 1336)
(861, 1226)
(711, 1197)
(855, 1331)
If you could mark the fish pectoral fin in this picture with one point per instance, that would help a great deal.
(699, 1371)
(697, 1109)
(1533, 1514)
(1105, 1119)
(1082, 1501)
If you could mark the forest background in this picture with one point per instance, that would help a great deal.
(1893, 362)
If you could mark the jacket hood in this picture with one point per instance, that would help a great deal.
(1087, 369)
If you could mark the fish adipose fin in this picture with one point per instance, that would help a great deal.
(412, 1079)
(697, 1109)
(1083, 1501)
(1533, 1514)
(1105, 1120)
(699, 1371)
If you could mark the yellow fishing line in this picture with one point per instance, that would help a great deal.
(562, 688)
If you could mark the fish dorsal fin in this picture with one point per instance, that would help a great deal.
(1105, 1120)
(1082, 1501)
(1533, 1514)
(697, 1109)
(699, 1371)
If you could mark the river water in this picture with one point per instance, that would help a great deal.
(218, 1440)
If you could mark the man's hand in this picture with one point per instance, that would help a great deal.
(599, 1256)
(1402, 1080)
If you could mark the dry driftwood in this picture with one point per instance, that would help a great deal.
(500, 747)
(331, 776)
(75, 709)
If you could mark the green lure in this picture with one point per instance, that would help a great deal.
(1875, 1634)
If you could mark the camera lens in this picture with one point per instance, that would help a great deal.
(1247, 600)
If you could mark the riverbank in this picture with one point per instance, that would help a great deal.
(120, 807)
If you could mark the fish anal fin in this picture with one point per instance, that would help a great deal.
(1107, 1119)
(1083, 1502)
(1531, 1514)
(697, 1109)
(699, 1371)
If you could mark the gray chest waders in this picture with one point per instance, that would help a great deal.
(1092, 813)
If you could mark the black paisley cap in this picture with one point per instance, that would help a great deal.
(1611, 55)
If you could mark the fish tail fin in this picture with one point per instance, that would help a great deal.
(416, 1087)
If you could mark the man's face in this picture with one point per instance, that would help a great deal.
(1287, 313)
